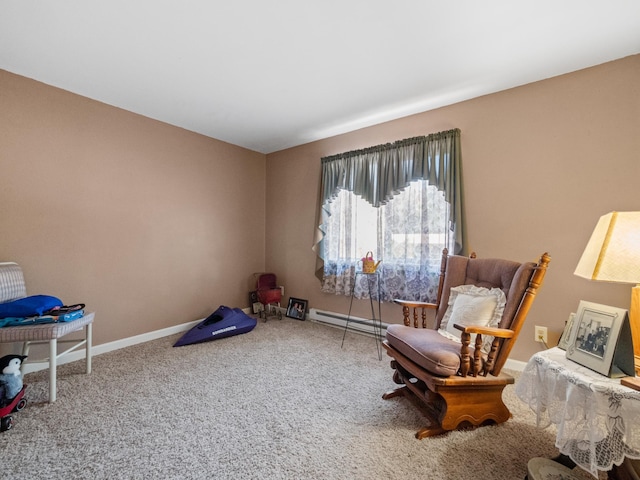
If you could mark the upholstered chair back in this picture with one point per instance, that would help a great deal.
(511, 277)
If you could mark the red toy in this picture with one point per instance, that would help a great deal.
(17, 404)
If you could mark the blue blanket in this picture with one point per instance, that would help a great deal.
(33, 306)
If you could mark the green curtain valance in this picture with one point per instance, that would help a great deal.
(378, 173)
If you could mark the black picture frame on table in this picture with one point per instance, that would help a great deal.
(297, 308)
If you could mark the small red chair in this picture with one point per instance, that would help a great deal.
(269, 295)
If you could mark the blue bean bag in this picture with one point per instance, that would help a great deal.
(224, 322)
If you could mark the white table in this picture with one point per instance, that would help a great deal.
(597, 419)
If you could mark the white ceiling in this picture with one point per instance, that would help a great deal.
(268, 75)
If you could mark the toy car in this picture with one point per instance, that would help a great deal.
(17, 404)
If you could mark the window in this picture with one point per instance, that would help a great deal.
(402, 202)
(407, 233)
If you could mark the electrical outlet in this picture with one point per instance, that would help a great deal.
(541, 334)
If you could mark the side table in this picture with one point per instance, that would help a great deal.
(597, 418)
(377, 321)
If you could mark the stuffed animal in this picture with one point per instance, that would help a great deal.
(10, 378)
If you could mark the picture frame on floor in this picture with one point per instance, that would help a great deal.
(297, 308)
(256, 306)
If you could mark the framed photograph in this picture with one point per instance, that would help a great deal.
(563, 343)
(594, 336)
(256, 306)
(297, 308)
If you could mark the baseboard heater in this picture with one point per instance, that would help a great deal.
(356, 324)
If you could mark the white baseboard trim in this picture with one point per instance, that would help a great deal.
(356, 324)
(515, 365)
(80, 354)
(117, 345)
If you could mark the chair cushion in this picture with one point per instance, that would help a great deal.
(472, 305)
(482, 272)
(427, 348)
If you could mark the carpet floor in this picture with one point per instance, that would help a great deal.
(284, 401)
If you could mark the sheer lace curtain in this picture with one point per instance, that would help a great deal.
(401, 202)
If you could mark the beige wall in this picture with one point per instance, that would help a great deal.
(148, 224)
(541, 163)
(153, 226)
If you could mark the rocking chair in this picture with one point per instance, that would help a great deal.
(456, 386)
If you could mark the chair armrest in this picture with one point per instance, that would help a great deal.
(479, 366)
(412, 304)
(407, 305)
(493, 331)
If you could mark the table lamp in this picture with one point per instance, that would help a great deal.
(613, 255)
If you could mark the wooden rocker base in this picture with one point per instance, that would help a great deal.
(434, 428)
(449, 403)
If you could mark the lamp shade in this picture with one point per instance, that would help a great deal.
(613, 251)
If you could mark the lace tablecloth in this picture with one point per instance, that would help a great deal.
(598, 420)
